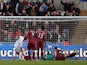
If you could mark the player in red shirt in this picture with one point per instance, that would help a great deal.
(60, 56)
(31, 41)
(41, 34)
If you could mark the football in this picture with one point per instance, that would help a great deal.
(26, 57)
(50, 46)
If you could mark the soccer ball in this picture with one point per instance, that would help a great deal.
(50, 46)
(26, 57)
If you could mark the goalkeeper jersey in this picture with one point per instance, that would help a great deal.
(49, 57)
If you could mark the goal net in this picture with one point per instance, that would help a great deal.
(69, 33)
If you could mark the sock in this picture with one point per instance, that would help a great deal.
(20, 55)
(42, 54)
(34, 55)
(38, 54)
(29, 55)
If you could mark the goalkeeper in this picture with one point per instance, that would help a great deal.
(49, 56)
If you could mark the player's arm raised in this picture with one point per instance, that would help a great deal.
(50, 34)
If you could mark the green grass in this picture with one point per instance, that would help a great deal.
(67, 62)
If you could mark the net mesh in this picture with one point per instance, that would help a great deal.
(72, 30)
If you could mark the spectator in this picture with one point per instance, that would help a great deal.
(35, 26)
(2, 34)
(52, 27)
(7, 26)
(59, 38)
(44, 7)
(9, 37)
(77, 10)
(67, 5)
(47, 25)
(7, 11)
(65, 35)
(19, 7)
(66, 13)
(71, 13)
(25, 2)
(14, 2)
(28, 8)
(8, 3)
(32, 3)
(40, 8)
(33, 12)
(18, 33)
(1, 6)
(24, 13)
(48, 13)
(51, 13)
(62, 12)
(59, 12)
(51, 8)
(11, 5)
(12, 34)
(39, 3)
(66, 43)
(37, 9)
(42, 13)
(13, 26)
(6, 35)
(74, 13)
(55, 13)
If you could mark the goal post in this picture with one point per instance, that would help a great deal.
(68, 32)
(69, 23)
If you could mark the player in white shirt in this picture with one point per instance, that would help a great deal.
(18, 47)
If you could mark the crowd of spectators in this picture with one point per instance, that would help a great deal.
(38, 8)
(9, 30)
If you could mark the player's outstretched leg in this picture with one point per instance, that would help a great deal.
(71, 55)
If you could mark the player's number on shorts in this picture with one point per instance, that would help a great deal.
(40, 35)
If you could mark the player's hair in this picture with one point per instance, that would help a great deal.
(42, 27)
(55, 47)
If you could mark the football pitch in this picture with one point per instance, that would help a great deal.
(66, 62)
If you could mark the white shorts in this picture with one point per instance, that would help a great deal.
(17, 46)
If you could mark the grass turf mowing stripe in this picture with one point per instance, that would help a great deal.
(69, 62)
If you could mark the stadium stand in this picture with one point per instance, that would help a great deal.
(38, 8)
